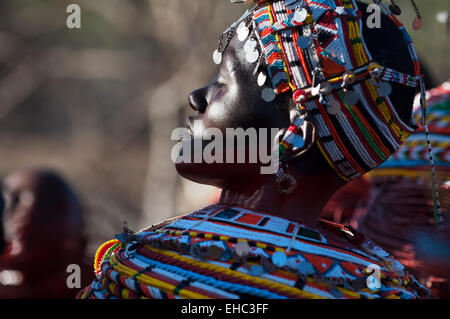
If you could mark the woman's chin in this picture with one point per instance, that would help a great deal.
(196, 172)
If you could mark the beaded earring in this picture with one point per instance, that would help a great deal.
(418, 21)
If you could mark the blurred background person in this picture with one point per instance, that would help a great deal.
(44, 228)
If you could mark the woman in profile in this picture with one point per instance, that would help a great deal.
(341, 96)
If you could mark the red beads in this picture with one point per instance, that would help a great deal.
(299, 96)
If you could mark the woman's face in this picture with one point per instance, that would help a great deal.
(233, 100)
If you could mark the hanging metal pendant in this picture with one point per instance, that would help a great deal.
(384, 89)
(315, 91)
(395, 9)
(243, 31)
(300, 14)
(250, 45)
(252, 56)
(250, 50)
(351, 97)
(268, 95)
(262, 78)
(256, 270)
(305, 268)
(242, 249)
(334, 107)
(304, 42)
(279, 259)
(214, 252)
(217, 57)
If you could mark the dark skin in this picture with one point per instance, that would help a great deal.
(44, 232)
(234, 100)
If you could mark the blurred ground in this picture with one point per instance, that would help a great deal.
(98, 103)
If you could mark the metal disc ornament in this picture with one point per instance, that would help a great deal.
(242, 249)
(250, 45)
(252, 56)
(306, 268)
(279, 259)
(256, 270)
(333, 107)
(214, 252)
(262, 78)
(315, 91)
(217, 57)
(384, 89)
(268, 95)
(351, 97)
(304, 42)
(300, 14)
(243, 32)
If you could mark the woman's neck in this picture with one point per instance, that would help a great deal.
(303, 206)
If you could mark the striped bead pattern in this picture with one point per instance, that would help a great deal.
(359, 137)
(169, 263)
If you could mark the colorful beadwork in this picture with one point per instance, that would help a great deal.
(312, 55)
(430, 143)
(196, 256)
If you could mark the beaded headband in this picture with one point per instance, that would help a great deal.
(315, 49)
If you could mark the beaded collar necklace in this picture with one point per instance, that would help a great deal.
(254, 259)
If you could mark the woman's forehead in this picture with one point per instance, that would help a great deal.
(234, 57)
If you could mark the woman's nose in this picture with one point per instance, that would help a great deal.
(197, 100)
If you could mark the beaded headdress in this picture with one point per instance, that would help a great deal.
(315, 50)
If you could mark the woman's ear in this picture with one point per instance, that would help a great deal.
(308, 132)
